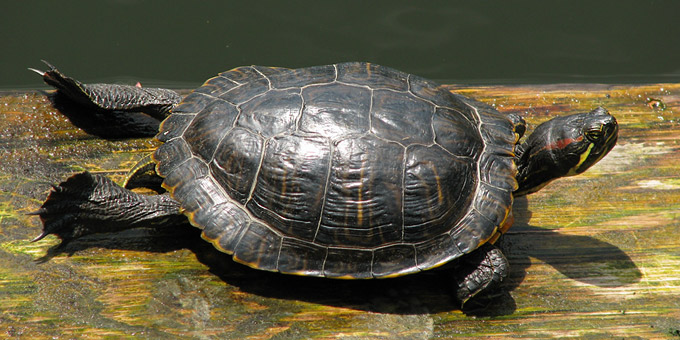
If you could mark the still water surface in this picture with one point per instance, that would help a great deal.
(181, 43)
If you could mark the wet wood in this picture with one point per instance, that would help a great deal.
(595, 256)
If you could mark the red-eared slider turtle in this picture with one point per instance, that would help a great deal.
(350, 171)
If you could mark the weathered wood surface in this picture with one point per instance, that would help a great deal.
(595, 256)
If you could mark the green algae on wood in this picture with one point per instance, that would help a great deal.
(593, 256)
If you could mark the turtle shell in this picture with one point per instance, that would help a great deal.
(351, 170)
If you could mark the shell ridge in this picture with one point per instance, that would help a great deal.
(325, 193)
(269, 82)
(302, 108)
(257, 172)
(403, 192)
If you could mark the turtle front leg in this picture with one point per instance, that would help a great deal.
(480, 271)
(87, 204)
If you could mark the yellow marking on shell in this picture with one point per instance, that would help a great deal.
(440, 195)
(437, 265)
(254, 265)
(283, 182)
(495, 237)
(165, 186)
(347, 277)
(298, 273)
(398, 274)
(215, 242)
(391, 275)
(582, 158)
(502, 228)
(360, 207)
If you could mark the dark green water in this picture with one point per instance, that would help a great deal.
(181, 43)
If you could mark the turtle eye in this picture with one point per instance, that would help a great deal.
(594, 133)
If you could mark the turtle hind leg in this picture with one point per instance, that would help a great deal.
(156, 102)
(87, 204)
(109, 110)
(480, 272)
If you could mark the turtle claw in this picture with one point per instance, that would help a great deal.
(65, 226)
(37, 212)
(41, 73)
(45, 73)
(40, 237)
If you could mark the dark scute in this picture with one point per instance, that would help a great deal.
(302, 258)
(227, 242)
(473, 229)
(208, 127)
(394, 259)
(223, 224)
(199, 194)
(184, 181)
(193, 103)
(455, 133)
(494, 204)
(245, 92)
(335, 109)
(170, 155)
(353, 263)
(216, 86)
(468, 105)
(259, 247)
(500, 134)
(497, 168)
(438, 189)
(401, 117)
(436, 251)
(236, 161)
(301, 77)
(272, 113)
(497, 163)
(271, 71)
(430, 90)
(497, 128)
(375, 76)
(174, 126)
(242, 75)
(363, 198)
(291, 183)
(491, 206)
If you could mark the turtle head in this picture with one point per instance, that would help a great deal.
(564, 146)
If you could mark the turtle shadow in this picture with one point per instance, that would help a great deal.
(581, 258)
(427, 292)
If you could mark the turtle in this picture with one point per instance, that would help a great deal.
(348, 171)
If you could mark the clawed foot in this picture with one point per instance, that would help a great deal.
(87, 204)
(481, 271)
(70, 205)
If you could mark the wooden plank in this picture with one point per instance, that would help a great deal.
(594, 256)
